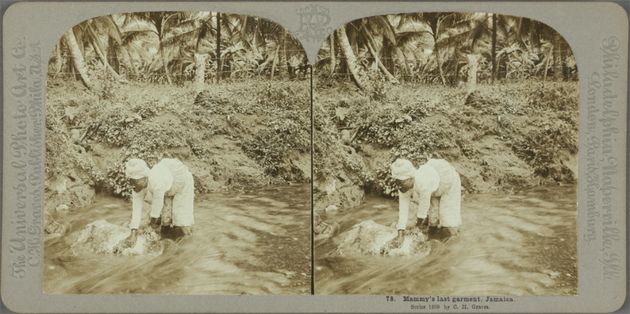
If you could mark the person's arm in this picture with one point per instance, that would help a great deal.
(404, 199)
(137, 199)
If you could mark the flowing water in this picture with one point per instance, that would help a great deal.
(256, 243)
(516, 244)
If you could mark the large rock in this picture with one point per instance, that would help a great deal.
(102, 237)
(370, 238)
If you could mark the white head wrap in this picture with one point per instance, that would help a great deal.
(402, 169)
(136, 168)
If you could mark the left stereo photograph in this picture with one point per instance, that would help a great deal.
(178, 157)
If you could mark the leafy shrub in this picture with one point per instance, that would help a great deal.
(376, 86)
(272, 146)
(419, 109)
(380, 128)
(542, 147)
(112, 124)
(554, 96)
(217, 102)
(74, 157)
(282, 96)
(117, 182)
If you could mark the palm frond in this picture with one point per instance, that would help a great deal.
(185, 38)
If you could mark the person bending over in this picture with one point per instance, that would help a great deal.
(437, 186)
(169, 178)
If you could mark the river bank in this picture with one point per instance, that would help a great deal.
(502, 137)
(234, 136)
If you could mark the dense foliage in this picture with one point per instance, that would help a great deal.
(536, 122)
(285, 132)
(442, 47)
(94, 136)
(173, 48)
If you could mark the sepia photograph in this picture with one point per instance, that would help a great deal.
(305, 156)
(178, 157)
(445, 157)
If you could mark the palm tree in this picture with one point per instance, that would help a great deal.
(494, 47)
(77, 57)
(94, 32)
(98, 34)
(218, 45)
(369, 29)
(350, 58)
(435, 21)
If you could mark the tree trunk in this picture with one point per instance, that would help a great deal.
(456, 79)
(77, 58)
(494, 47)
(333, 59)
(112, 55)
(547, 62)
(404, 63)
(255, 35)
(165, 66)
(162, 57)
(128, 61)
(388, 60)
(434, 22)
(104, 61)
(472, 72)
(218, 48)
(380, 64)
(200, 72)
(276, 56)
(130, 64)
(438, 59)
(285, 58)
(351, 60)
(557, 57)
(58, 59)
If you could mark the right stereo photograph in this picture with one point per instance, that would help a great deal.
(445, 157)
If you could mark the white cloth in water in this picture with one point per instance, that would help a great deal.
(169, 177)
(437, 186)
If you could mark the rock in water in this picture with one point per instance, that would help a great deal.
(102, 237)
(370, 238)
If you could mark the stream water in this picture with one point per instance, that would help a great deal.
(510, 244)
(253, 243)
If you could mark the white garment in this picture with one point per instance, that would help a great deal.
(436, 184)
(169, 177)
(402, 169)
(136, 168)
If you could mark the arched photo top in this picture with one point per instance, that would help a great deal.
(436, 47)
(445, 128)
(161, 123)
(161, 46)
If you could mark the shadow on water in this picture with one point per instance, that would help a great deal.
(518, 244)
(257, 243)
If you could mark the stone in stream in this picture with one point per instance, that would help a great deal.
(370, 238)
(102, 237)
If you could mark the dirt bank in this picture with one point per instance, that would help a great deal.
(233, 136)
(502, 137)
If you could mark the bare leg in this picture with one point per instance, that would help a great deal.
(167, 211)
(453, 231)
(187, 231)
